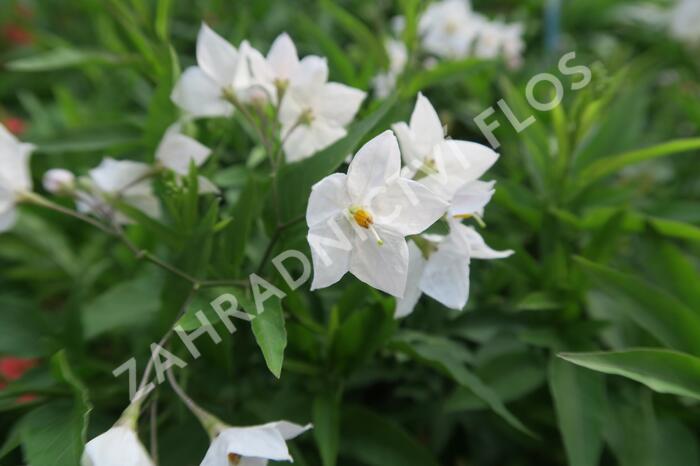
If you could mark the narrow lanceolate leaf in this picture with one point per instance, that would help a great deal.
(297, 178)
(326, 412)
(610, 165)
(663, 371)
(579, 399)
(63, 58)
(658, 312)
(271, 334)
(455, 369)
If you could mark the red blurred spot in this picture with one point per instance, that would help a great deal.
(13, 368)
(15, 126)
(17, 35)
(27, 398)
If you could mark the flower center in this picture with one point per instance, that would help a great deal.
(362, 217)
(234, 459)
(451, 28)
(306, 117)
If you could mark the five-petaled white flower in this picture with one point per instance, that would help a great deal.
(252, 446)
(358, 222)
(124, 180)
(222, 73)
(444, 276)
(443, 165)
(315, 112)
(15, 178)
(448, 28)
(119, 446)
(177, 151)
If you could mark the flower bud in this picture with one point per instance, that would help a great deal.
(58, 180)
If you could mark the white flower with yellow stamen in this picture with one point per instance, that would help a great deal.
(358, 222)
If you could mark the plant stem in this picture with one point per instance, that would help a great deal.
(275, 237)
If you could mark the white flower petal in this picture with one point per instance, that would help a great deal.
(328, 198)
(407, 207)
(199, 95)
(446, 278)
(177, 150)
(480, 250)
(312, 73)
(375, 163)
(257, 442)
(14, 162)
(416, 265)
(113, 176)
(216, 56)
(8, 217)
(282, 57)
(305, 140)
(119, 446)
(289, 430)
(472, 198)
(382, 267)
(339, 103)
(425, 124)
(331, 245)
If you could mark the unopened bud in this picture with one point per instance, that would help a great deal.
(58, 180)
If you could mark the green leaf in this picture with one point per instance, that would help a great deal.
(296, 179)
(454, 368)
(326, 414)
(663, 371)
(658, 312)
(579, 399)
(52, 434)
(631, 428)
(444, 71)
(22, 332)
(271, 334)
(63, 58)
(129, 305)
(248, 208)
(375, 440)
(615, 163)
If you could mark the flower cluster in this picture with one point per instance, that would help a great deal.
(311, 113)
(358, 222)
(450, 29)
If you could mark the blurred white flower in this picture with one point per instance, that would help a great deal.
(471, 199)
(443, 165)
(222, 71)
(444, 275)
(58, 180)
(314, 112)
(15, 178)
(125, 180)
(358, 222)
(252, 446)
(176, 151)
(685, 21)
(448, 28)
(385, 82)
(119, 446)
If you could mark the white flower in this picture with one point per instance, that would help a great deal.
(385, 82)
(222, 70)
(685, 21)
(448, 28)
(15, 178)
(119, 446)
(444, 276)
(176, 151)
(58, 180)
(499, 39)
(314, 112)
(443, 165)
(358, 222)
(252, 446)
(513, 44)
(123, 179)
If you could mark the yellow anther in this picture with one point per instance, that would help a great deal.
(234, 459)
(362, 217)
